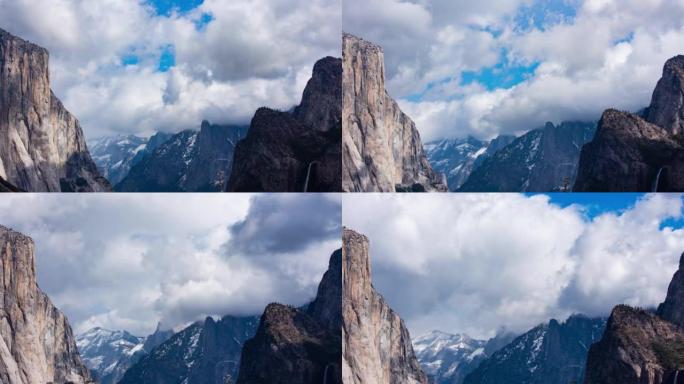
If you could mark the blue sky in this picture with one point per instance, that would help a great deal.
(167, 54)
(595, 204)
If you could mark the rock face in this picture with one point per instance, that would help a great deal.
(672, 309)
(36, 342)
(42, 146)
(458, 158)
(641, 347)
(553, 353)
(299, 346)
(115, 156)
(206, 352)
(667, 104)
(109, 354)
(376, 345)
(381, 147)
(190, 161)
(638, 347)
(298, 151)
(542, 160)
(631, 153)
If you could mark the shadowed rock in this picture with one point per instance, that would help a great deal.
(298, 151)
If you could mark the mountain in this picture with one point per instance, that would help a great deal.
(642, 347)
(299, 346)
(553, 353)
(205, 352)
(101, 350)
(36, 341)
(189, 161)
(376, 344)
(542, 160)
(640, 153)
(109, 354)
(42, 146)
(115, 156)
(296, 151)
(447, 358)
(381, 147)
(457, 158)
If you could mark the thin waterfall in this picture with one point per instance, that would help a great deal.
(656, 183)
(676, 375)
(325, 374)
(308, 173)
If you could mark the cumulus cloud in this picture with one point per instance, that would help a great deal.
(127, 262)
(477, 263)
(231, 57)
(589, 55)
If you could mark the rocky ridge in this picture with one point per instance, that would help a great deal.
(42, 146)
(295, 345)
(206, 352)
(37, 345)
(542, 160)
(381, 147)
(642, 347)
(640, 153)
(376, 345)
(189, 161)
(296, 151)
(551, 353)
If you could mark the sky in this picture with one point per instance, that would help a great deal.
(141, 66)
(480, 263)
(127, 262)
(487, 67)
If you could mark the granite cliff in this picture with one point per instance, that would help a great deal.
(381, 147)
(376, 345)
(42, 146)
(37, 345)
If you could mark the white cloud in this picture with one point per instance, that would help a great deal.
(253, 53)
(475, 263)
(128, 261)
(609, 54)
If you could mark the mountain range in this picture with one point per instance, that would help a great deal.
(109, 354)
(189, 161)
(542, 160)
(116, 155)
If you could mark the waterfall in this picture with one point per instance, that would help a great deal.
(325, 374)
(308, 173)
(676, 375)
(657, 180)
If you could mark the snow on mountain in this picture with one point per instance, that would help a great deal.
(116, 155)
(457, 158)
(550, 353)
(448, 358)
(108, 354)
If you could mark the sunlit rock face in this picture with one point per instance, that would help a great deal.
(376, 345)
(36, 342)
(381, 148)
(42, 146)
